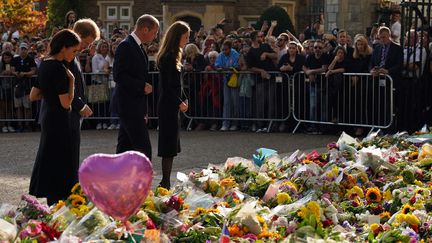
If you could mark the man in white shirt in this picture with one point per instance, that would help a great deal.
(395, 27)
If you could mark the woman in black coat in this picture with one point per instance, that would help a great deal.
(170, 100)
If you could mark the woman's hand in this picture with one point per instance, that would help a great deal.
(184, 106)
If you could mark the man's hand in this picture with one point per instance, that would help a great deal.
(184, 106)
(148, 88)
(86, 111)
(263, 56)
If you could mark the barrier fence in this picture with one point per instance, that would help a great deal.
(352, 99)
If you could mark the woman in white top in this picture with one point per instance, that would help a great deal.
(100, 70)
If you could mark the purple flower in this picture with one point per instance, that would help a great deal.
(251, 237)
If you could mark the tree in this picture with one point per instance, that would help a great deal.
(280, 15)
(57, 10)
(21, 14)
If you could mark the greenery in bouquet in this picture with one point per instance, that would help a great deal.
(31, 208)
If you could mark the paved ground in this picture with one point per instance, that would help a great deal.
(18, 151)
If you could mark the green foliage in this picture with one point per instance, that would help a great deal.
(57, 10)
(280, 15)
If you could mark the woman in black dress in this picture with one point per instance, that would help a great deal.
(170, 96)
(55, 172)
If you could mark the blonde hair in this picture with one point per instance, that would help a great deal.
(171, 42)
(358, 53)
(191, 50)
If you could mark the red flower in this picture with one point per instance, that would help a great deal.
(412, 199)
(326, 223)
(150, 224)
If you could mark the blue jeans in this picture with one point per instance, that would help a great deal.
(230, 107)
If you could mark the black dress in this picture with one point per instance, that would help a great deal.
(55, 171)
(168, 106)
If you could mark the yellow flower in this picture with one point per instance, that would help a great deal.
(385, 214)
(198, 211)
(76, 189)
(407, 209)
(267, 234)
(373, 194)
(162, 191)
(409, 218)
(78, 201)
(283, 198)
(355, 191)
(59, 205)
(374, 227)
(291, 184)
(418, 183)
(227, 182)
(387, 195)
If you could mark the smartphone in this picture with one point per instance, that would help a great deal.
(7, 67)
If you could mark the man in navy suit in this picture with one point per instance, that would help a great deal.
(387, 58)
(132, 86)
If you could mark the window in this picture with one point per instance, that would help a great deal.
(111, 12)
(125, 26)
(110, 28)
(125, 12)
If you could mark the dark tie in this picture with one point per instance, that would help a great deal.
(383, 55)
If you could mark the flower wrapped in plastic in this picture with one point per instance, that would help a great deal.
(89, 224)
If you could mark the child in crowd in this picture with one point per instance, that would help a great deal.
(246, 83)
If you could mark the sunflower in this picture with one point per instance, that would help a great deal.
(78, 201)
(407, 209)
(373, 194)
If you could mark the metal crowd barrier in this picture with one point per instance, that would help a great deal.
(351, 99)
(255, 99)
(15, 105)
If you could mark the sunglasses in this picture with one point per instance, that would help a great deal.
(317, 47)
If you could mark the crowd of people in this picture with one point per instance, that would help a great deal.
(313, 51)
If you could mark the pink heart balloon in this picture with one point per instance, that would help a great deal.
(117, 184)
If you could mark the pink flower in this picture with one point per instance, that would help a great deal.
(150, 224)
(32, 229)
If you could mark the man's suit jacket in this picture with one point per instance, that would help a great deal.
(79, 100)
(130, 74)
(393, 61)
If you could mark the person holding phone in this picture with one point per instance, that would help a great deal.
(170, 96)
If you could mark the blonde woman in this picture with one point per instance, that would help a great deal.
(170, 96)
(360, 64)
(361, 56)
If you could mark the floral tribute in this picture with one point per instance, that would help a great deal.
(374, 190)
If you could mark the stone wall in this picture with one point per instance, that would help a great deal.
(352, 15)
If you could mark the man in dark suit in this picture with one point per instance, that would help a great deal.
(387, 58)
(342, 40)
(88, 31)
(132, 86)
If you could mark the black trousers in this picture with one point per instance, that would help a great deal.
(133, 135)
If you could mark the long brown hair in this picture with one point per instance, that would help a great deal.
(171, 42)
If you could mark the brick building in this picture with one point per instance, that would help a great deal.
(353, 15)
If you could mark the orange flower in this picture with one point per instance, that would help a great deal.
(235, 231)
(373, 194)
